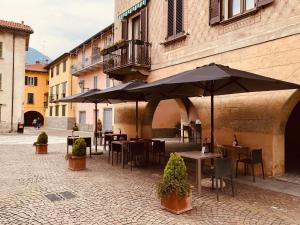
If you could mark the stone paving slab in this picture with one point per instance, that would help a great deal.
(106, 194)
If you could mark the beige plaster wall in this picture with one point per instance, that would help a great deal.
(6, 64)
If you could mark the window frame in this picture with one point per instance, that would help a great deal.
(30, 98)
(1, 84)
(57, 69)
(51, 111)
(65, 65)
(1, 112)
(64, 89)
(63, 110)
(95, 80)
(175, 34)
(226, 16)
(57, 110)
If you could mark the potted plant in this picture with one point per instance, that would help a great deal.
(99, 125)
(41, 144)
(77, 160)
(174, 189)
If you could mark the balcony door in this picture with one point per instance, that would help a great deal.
(136, 35)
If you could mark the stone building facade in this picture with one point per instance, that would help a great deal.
(259, 36)
(14, 41)
(87, 68)
(35, 92)
(61, 85)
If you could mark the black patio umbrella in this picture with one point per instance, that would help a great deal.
(121, 93)
(84, 98)
(210, 80)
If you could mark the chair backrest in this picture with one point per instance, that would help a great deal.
(223, 167)
(256, 155)
(136, 147)
(159, 146)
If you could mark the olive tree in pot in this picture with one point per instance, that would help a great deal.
(77, 160)
(174, 189)
(41, 144)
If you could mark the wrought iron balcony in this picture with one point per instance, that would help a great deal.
(88, 64)
(127, 58)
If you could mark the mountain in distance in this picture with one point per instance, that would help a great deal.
(33, 55)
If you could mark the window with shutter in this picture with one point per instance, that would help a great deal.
(144, 24)
(214, 12)
(175, 17)
(26, 80)
(125, 29)
(35, 81)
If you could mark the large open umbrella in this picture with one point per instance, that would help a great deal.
(210, 80)
(121, 93)
(84, 98)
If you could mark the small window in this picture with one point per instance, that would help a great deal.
(57, 68)
(0, 113)
(57, 91)
(107, 82)
(63, 110)
(175, 17)
(65, 66)
(30, 98)
(1, 49)
(233, 8)
(0, 81)
(95, 82)
(51, 111)
(51, 71)
(47, 82)
(56, 110)
(82, 117)
(64, 89)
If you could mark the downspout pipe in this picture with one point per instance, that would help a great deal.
(13, 87)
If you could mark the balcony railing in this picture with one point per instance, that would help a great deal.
(132, 53)
(88, 64)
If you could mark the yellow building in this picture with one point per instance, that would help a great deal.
(61, 85)
(36, 92)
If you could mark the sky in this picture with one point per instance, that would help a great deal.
(59, 25)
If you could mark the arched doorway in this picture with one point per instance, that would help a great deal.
(292, 147)
(30, 116)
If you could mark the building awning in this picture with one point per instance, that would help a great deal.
(132, 9)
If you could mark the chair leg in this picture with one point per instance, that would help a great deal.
(232, 186)
(236, 168)
(262, 168)
(217, 186)
(117, 157)
(253, 174)
(112, 158)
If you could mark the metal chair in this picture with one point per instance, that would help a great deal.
(222, 169)
(255, 158)
(117, 149)
(135, 149)
(159, 149)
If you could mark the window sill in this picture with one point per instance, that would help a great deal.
(239, 16)
(172, 39)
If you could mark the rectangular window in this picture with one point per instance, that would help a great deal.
(82, 117)
(51, 94)
(65, 66)
(95, 82)
(175, 17)
(51, 111)
(107, 82)
(56, 110)
(63, 110)
(31, 81)
(250, 4)
(81, 85)
(64, 89)
(1, 49)
(0, 81)
(30, 98)
(57, 68)
(0, 113)
(57, 91)
(236, 7)
(51, 71)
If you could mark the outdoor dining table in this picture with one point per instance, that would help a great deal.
(199, 156)
(71, 140)
(113, 137)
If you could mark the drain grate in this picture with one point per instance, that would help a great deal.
(60, 196)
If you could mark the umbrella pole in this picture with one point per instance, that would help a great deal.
(136, 118)
(95, 133)
(212, 112)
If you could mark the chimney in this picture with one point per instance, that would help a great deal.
(37, 62)
(22, 22)
(46, 61)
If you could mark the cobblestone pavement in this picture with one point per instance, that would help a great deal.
(106, 194)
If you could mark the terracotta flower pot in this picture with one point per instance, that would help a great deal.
(77, 163)
(41, 148)
(177, 204)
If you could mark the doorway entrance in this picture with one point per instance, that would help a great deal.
(292, 147)
(107, 119)
(30, 116)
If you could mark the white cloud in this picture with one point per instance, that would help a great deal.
(59, 25)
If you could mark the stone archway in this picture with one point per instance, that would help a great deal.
(280, 132)
(30, 116)
(186, 108)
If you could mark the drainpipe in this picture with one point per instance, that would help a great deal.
(13, 86)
